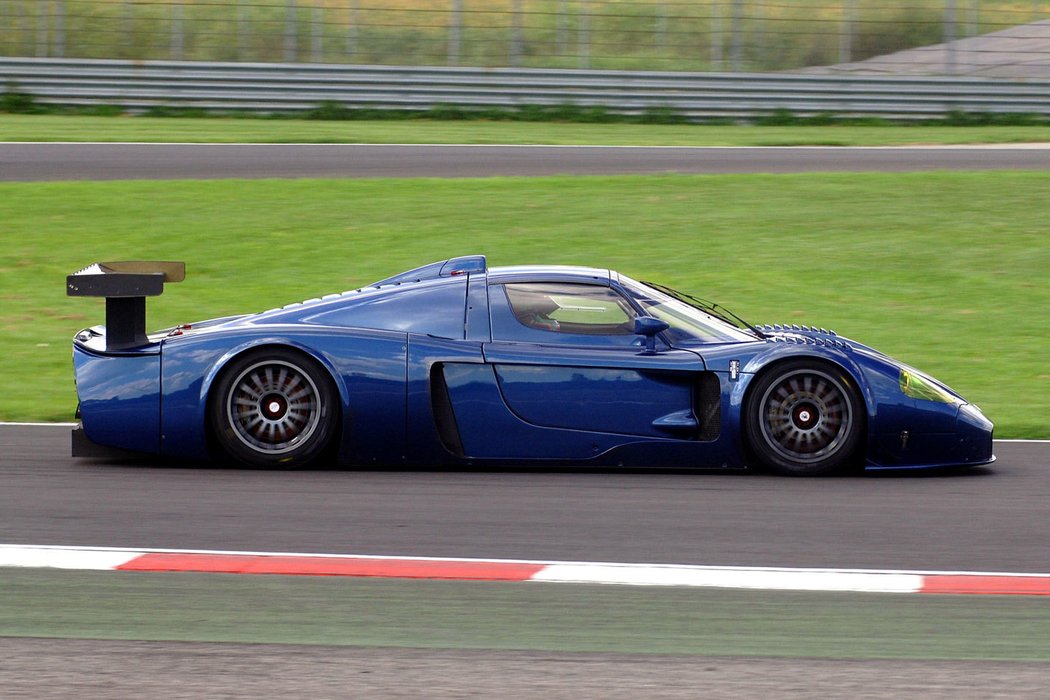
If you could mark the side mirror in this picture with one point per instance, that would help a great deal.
(649, 327)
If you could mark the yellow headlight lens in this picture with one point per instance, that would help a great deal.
(917, 386)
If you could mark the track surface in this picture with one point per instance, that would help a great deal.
(986, 519)
(107, 161)
(56, 668)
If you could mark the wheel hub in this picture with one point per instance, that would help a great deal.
(274, 407)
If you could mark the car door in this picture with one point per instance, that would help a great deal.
(565, 356)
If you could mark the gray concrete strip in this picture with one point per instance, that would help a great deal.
(40, 669)
(968, 520)
(93, 161)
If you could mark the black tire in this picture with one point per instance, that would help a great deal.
(274, 407)
(804, 418)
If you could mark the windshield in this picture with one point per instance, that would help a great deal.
(688, 322)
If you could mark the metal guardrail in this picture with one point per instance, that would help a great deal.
(293, 87)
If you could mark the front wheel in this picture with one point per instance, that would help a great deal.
(804, 418)
(274, 408)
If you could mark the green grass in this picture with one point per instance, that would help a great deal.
(946, 271)
(548, 617)
(18, 127)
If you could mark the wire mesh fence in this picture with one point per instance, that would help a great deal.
(663, 35)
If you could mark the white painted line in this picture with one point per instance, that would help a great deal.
(37, 425)
(1035, 145)
(770, 579)
(82, 559)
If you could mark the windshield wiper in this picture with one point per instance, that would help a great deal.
(710, 307)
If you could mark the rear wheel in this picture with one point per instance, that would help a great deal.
(804, 418)
(274, 408)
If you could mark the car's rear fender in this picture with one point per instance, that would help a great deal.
(119, 396)
(358, 362)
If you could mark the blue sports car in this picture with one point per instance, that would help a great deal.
(457, 363)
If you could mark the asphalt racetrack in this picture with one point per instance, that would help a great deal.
(978, 519)
(109, 161)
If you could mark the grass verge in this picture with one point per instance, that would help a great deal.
(945, 271)
(33, 127)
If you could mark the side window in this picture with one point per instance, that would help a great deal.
(541, 311)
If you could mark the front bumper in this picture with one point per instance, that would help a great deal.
(970, 444)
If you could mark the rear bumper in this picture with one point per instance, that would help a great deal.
(119, 397)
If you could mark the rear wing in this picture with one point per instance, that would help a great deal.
(125, 285)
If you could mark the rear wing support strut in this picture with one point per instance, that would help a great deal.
(125, 285)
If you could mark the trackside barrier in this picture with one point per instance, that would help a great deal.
(296, 87)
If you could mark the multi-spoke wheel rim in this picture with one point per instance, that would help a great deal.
(805, 416)
(273, 407)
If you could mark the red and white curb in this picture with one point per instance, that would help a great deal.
(780, 579)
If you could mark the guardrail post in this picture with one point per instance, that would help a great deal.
(291, 31)
(455, 24)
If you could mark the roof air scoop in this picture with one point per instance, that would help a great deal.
(125, 285)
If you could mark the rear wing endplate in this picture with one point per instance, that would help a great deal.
(125, 285)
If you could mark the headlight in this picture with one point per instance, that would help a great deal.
(918, 386)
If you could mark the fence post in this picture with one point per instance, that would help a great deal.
(41, 29)
(949, 37)
(560, 32)
(717, 59)
(176, 31)
(127, 28)
(351, 29)
(23, 40)
(736, 46)
(661, 26)
(454, 27)
(60, 29)
(849, 19)
(242, 29)
(975, 18)
(291, 32)
(585, 34)
(317, 34)
(517, 39)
